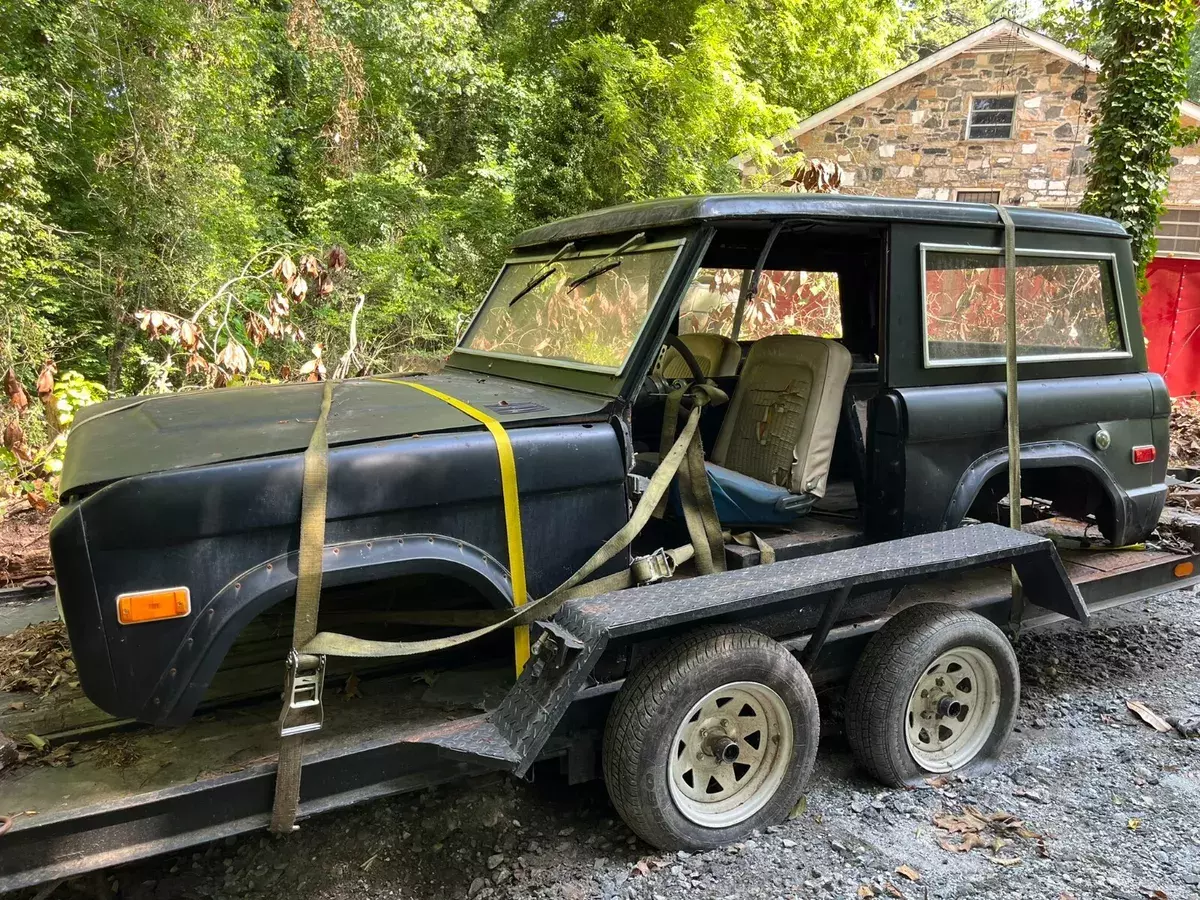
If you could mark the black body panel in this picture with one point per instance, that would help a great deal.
(954, 442)
(173, 431)
(204, 527)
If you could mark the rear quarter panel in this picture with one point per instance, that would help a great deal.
(934, 423)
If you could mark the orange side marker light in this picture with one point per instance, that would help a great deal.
(1184, 569)
(152, 606)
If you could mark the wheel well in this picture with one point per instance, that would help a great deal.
(1070, 490)
(348, 609)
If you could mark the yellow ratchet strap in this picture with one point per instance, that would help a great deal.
(512, 505)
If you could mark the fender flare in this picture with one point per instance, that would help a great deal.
(218, 623)
(1040, 455)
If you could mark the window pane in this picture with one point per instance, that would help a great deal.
(977, 196)
(710, 302)
(1063, 306)
(595, 322)
(992, 118)
(981, 132)
(788, 302)
(982, 103)
(794, 302)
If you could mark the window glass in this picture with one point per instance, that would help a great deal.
(1064, 306)
(787, 302)
(977, 196)
(991, 118)
(568, 315)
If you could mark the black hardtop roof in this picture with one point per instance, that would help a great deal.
(770, 207)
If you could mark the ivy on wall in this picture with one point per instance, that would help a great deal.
(1145, 59)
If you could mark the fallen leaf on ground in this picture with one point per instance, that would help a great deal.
(894, 891)
(865, 892)
(1155, 894)
(19, 705)
(939, 781)
(799, 809)
(351, 688)
(640, 868)
(1133, 824)
(1147, 715)
(909, 872)
(1006, 860)
(969, 842)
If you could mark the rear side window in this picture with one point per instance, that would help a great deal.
(1067, 307)
(787, 302)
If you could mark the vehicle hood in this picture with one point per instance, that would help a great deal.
(138, 435)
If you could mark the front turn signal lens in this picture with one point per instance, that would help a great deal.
(152, 606)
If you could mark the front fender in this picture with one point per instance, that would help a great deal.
(221, 620)
(1041, 455)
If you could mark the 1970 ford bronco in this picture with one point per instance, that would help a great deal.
(844, 358)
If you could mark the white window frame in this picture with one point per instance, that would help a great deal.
(967, 249)
(1012, 124)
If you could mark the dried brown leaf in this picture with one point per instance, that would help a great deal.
(894, 891)
(1006, 860)
(15, 391)
(908, 872)
(1147, 715)
(45, 382)
(970, 841)
(865, 892)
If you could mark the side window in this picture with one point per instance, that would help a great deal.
(1066, 307)
(787, 302)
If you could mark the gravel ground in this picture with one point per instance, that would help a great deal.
(1098, 804)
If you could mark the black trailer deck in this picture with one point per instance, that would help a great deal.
(145, 791)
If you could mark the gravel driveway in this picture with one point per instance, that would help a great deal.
(1088, 802)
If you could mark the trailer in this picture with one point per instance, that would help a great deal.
(214, 777)
(840, 484)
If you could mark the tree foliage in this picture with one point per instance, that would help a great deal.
(1145, 76)
(151, 151)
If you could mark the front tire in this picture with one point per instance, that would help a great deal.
(711, 738)
(935, 691)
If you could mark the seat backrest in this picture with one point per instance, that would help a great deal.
(718, 356)
(783, 418)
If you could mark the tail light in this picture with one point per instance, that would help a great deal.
(1143, 455)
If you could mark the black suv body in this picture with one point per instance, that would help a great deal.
(201, 491)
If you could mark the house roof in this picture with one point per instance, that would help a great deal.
(766, 207)
(1000, 36)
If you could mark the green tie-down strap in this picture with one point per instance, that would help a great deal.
(308, 646)
(331, 644)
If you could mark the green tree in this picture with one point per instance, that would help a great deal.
(1144, 78)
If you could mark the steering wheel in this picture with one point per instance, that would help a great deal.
(655, 386)
(689, 358)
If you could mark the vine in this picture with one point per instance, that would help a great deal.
(1145, 64)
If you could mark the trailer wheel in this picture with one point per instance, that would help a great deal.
(935, 691)
(711, 738)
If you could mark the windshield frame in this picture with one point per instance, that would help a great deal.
(590, 377)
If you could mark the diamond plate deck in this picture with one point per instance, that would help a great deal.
(620, 614)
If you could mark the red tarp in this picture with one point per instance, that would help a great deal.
(1171, 322)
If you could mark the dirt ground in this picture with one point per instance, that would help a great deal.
(1088, 801)
(24, 544)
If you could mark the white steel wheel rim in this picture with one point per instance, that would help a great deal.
(730, 754)
(953, 709)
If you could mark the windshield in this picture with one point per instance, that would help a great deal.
(566, 315)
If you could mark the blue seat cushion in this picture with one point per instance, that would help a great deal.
(742, 501)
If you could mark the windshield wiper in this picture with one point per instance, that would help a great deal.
(548, 268)
(609, 262)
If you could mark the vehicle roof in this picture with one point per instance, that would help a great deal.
(773, 207)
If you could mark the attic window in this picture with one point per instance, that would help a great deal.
(991, 118)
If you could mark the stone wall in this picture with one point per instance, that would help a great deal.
(910, 141)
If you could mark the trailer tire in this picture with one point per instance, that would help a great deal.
(681, 772)
(906, 720)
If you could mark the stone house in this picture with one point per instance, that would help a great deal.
(1004, 115)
